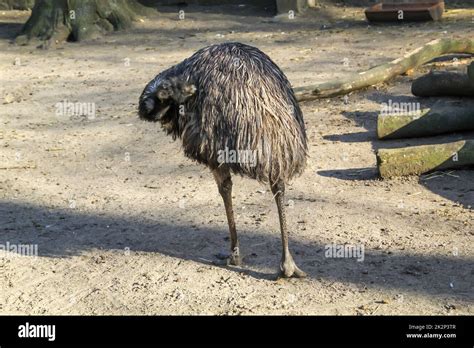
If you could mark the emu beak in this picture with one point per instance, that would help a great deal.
(162, 112)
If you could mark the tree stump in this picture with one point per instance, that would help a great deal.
(78, 20)
(284, 6)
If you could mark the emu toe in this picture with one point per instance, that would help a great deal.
(234, 261)
(288, 269)
(232, 258)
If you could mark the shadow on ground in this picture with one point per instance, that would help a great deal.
(65, 233)
(8, 31)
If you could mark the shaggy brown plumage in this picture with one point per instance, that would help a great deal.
(243, 101)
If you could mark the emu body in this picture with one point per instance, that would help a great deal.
(233, 96)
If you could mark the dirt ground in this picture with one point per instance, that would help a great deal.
(125, 224)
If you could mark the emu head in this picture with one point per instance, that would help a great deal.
(175, 89)
(161, 98)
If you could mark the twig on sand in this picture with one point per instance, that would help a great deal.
(19, 167)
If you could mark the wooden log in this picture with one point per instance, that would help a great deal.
(417, 160)
(442, 83)
(411, 10)
(386, 71)
(442, 117)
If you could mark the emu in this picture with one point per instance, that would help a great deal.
(233, 96)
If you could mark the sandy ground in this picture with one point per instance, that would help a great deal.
(125, 224)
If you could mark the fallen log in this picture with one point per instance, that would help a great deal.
(442, 117)
(417, 160)
(386, 71)
(442, 83)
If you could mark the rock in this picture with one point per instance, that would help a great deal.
(21, 40)
(8, 98)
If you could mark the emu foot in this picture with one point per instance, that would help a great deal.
(288, 269)
(231, 258)
(234, 258)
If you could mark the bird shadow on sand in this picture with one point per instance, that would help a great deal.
(62, 233)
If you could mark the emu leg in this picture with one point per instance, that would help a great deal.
(224, 183)
(288, 267)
